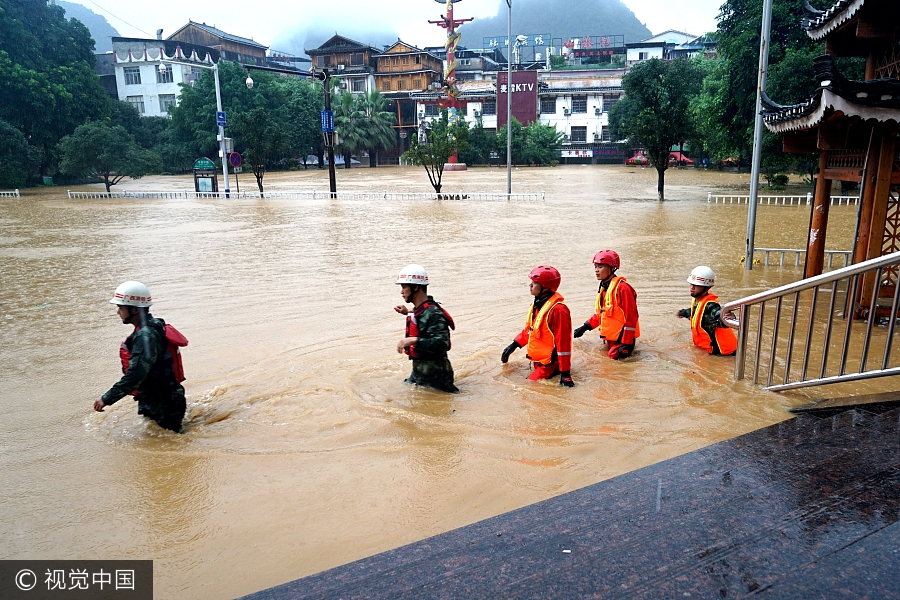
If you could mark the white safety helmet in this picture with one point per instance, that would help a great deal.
(702, 276)
(132, 293)
(413, 275)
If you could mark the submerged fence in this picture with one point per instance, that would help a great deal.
(316, 195)
(845, 255)
(777, 200)
(12, 194)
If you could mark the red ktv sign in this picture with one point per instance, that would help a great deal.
(524, 90)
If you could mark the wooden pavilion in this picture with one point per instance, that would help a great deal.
(852, 125)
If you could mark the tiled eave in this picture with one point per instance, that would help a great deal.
(819, 23)
(878, 100)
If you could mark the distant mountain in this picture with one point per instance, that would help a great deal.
(99, 27)
(560, 18)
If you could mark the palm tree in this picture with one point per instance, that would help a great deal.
(350, 122)
(380, 133)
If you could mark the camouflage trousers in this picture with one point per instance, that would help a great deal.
(167, 412)
(437, 374)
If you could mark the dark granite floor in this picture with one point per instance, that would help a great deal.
(808, 508)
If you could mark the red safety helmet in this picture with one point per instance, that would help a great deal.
(545, 276)
(608, 258)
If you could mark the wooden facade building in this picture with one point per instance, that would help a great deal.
(354, 63)
(853, 126)
(231, 47)
(404, 68)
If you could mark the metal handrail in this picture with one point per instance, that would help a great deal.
(848, 282)
(798, 252)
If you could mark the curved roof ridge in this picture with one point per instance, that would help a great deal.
(819, 23)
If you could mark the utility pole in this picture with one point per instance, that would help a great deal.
(329, 135)
(765, 34)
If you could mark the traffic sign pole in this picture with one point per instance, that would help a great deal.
(221, 123)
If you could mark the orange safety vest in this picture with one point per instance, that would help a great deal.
(541, 342)
(612, 317)
(725, 338)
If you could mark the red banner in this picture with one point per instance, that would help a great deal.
(524, 97)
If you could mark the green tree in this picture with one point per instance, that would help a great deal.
(19, 160)
(261, 134)
(444, 140)
(305, 101)
(481, 143)
(349, 122)
(542, 144)
(47, 81)
(656, 113)
(517, 143)
(378, 125)
(107, 153)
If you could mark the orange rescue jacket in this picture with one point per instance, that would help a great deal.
(725, 338)
(612, 317)
(541, 342)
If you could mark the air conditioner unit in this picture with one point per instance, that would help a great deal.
(596, 136)
(597, 110)
(568, 137)
(567, 112)
(421, 114)
(477, 113)
(341, 67)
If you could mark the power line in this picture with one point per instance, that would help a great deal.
(118, 18)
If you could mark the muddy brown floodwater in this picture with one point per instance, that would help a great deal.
(303, 448)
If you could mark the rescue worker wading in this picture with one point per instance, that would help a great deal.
(616, 312)
(707, 328)
(428, 328)
(150, 361)
(547, 335)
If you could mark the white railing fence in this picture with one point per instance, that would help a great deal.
(846, 255)
(317, 195)
(12, 194)
(780, 200)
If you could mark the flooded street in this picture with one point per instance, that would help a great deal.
(303, 448)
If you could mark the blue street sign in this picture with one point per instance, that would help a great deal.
(327, 121)
(220, 118)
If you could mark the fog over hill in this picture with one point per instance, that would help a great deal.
(99, 27)
(559, 18)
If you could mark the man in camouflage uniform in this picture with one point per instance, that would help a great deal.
(149, 375)
(428, 328)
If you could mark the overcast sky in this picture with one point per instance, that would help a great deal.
(268, 21)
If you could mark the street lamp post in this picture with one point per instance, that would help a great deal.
(508, 99)
(221, 136)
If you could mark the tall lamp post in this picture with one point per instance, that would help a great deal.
(508, 99)
(220, 121)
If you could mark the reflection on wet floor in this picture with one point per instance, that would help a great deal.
(301, 437)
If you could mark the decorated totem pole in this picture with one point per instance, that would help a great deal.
(452, 103)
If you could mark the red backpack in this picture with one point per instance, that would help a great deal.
(174, 341)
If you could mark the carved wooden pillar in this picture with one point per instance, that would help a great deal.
(881, 189)
(867, 199)
(815, 251)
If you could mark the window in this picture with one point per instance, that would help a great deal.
(165, 101)
(609, 100)
(604, 134)
(401, 84)
(165, 77)
(579, 134)
(356, 59)
(489, 107)
(132, 76)
(385, 86)
(325, 61)
(417, 84)
(418, 59)
(432, 110)
(643, 55)
(137, 102)
(579, 104)
(548, 106)
(404, 60)
(395, 61)
(357, 85)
